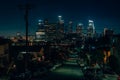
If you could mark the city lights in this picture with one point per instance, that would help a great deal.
(59, 40)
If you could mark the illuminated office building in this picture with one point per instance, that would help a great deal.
(60, 28)
(50, 30)
(91, 29)
(79, 28)
(70, 27)
(108, 32)
(46, 31)
(40, 33)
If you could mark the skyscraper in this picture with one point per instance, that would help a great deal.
(79, 28)
(108, 32)
(70, 27)
(40, 33)
(60, 26)
(50, 31)
(91, 28)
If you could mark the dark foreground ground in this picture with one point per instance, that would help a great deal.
(65, 72)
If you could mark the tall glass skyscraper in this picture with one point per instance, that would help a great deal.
(91, 28)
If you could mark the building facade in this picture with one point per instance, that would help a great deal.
(90, 29)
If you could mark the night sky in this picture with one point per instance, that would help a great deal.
(104, 13)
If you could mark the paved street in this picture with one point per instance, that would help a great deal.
(70, 70)
(65, 72)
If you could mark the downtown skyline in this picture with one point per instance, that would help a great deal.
(103, 13)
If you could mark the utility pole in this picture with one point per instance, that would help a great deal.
(26, 7)
(26, 23)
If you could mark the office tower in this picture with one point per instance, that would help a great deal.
(79, 28)
(70, 27)
(40, 33)
(108, 32)
(50, 30)
(91, 29)
(60, 25)
(60, 28)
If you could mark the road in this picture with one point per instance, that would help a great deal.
(65, 72)
(70, 70)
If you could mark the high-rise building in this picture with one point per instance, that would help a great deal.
(40, 33)
(70, 27)
(79, 28)
(46, 31)
(50, 30)
(91, 28)
(108, 32)
(60, 26)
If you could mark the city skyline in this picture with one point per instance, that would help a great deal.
(103, 13)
